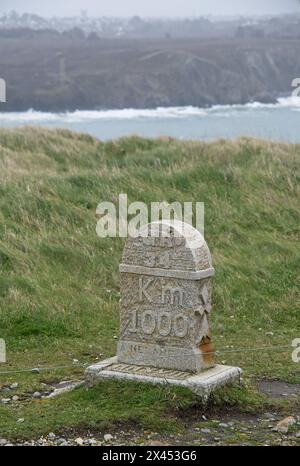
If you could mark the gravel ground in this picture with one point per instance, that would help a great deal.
(268, 429)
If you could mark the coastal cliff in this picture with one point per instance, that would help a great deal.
(51, 72)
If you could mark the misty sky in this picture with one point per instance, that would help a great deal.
(150, 7)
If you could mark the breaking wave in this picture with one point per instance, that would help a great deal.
(33, 116)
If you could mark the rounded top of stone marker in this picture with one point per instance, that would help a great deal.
(168, 244)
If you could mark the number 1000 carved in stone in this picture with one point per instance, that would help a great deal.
(166, 285)
(164, 324)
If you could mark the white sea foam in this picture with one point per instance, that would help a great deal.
(79, 116)
(32, 116)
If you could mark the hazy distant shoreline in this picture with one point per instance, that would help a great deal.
(53, 72)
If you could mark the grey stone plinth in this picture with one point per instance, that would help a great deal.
(202, 383)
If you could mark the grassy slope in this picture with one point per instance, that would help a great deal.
(59, 281)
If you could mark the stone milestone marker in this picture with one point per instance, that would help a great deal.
(166, 287)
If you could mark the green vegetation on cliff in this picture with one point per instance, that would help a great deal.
(59, 288)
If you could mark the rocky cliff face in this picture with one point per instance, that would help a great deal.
(55, 73)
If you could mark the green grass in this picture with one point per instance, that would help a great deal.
(59, 284)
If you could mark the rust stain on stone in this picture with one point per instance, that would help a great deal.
(207, 349)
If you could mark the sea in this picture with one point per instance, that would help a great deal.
(279, 121)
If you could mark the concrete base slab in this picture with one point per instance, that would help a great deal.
(202, 383)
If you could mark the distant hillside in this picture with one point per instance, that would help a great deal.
(49, 71)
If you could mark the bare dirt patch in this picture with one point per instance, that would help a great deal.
(278, 388)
